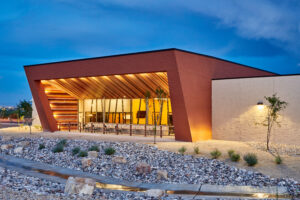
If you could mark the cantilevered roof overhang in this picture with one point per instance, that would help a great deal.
(112, 87)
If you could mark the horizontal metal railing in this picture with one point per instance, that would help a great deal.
(138, 129)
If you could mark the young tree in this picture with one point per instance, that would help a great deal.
(24, 108)
(275, 105)
(161, 94)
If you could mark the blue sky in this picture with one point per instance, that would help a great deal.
(259, 33)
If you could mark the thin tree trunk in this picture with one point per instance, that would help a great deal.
(154, 121)
(96, 110)
(138, 119)
(92, 110)
(116, 111)
(160, 111)
(103, 110)
(122, 110)
(109, 109)
(147, 110)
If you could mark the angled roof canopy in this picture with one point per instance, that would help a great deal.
(112, 87)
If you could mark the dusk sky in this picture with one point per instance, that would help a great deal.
(260, 33)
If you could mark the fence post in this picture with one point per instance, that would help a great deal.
(69, 126)
(145, 130)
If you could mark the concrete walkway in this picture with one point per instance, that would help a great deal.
(21, 132)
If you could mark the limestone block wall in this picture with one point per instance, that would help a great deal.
(236, 115)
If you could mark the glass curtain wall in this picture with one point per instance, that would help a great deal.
(125, 111)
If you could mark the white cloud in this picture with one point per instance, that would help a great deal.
(277, 21)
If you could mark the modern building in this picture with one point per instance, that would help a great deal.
(171, 91)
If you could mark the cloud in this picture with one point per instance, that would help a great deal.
(276, 20)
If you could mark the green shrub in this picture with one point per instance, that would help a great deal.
(94, 148)
(196, 150)
(41, 146)
(75, 151)
(63, 142)
(109, 151)
(58, 148)
(215, 154)
(250, 159)
(182, 150)
(230, 152)
(82, 154)
(278, 160)
(235, 157)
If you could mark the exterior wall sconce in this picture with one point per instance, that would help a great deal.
(260, 105)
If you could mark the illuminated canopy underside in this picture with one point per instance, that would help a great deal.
(112, 87)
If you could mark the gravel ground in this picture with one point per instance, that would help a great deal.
(180, 168)
(14, 185)
(282, 149)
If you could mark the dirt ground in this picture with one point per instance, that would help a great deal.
(290, 168)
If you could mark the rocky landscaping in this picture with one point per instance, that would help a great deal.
(136, 162)
(14, 185)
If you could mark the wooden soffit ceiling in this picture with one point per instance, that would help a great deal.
(112, 87)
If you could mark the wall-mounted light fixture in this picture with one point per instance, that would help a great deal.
(260, 105)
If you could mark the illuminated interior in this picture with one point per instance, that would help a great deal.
(117, 99)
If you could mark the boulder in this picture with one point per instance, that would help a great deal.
(6, 146)
(143, 168)
(18, 150)
(24, 143)
(79, 185)
(86, 162)
(156, 193)
(119, 159)
(162, 174)
(92, 154)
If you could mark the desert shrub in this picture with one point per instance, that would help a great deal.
(235, 157)
(109, 151)
(41, 146)
(62, 142)
(82, 154)
(278, 160)
(94, 148)
(58, 148)
(38, 127)
(230, 152)
(182, 150)
(215, 154)
(76, 150)
(196, 150)
(250, 159)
